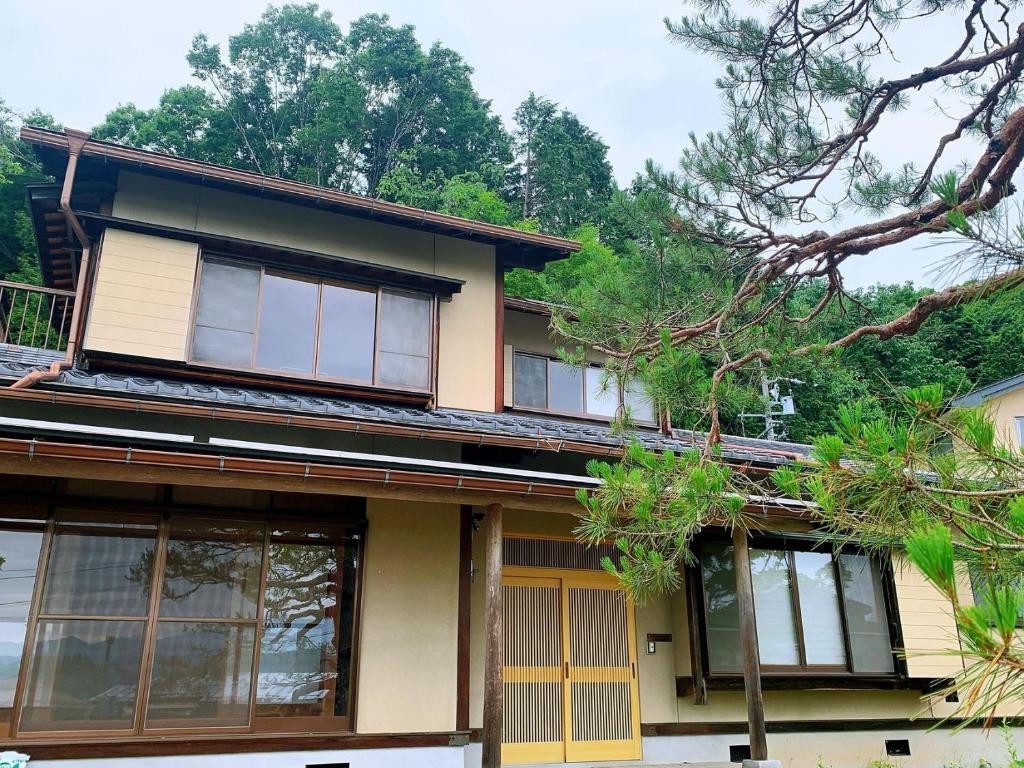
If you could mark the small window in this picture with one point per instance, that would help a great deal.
(810, 606)
(1020, 431)
(546, 384)
(257, 319)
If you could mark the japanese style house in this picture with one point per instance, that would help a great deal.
(286, 480)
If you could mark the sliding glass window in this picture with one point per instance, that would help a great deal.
(259, 319)
(817, 611)
(171, 621)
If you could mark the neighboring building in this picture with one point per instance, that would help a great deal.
(1004, 401)
(254, 438)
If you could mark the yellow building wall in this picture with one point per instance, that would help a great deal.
(467, 328)
(409, 630)
(142, 297)
(929, 628)
(527, 332)
(1005, 411)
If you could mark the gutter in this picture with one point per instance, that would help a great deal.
(76, 141)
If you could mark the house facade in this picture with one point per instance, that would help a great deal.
(287, 480)
(1004, 402)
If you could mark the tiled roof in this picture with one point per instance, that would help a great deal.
(996, 389)
(450, 419)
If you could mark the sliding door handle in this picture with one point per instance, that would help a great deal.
(567, 670)
(632, 666)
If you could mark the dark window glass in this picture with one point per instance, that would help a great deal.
(306, 648)
(865, 614)
(19, 559)
(530, 383)
(405, 325)
(84, 675)
(566, 387)
(226, 314)
(287, 330)
(201, 674)
(347, 330)
(99, 569)
(213, 569)
(722, 615)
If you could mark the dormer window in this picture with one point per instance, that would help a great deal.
(547, 384)
(260, 319)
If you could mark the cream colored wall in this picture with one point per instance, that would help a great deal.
(143, 296)
(529, 333)
(409, 630)
(1005, 411)
(467, 331)
(929, 628)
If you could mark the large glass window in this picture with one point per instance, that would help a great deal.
(146, 624)
(258, 319)
(546, 384)
(815, 610)
(20, 543)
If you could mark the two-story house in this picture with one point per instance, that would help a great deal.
(286, 480)
(1004, 402)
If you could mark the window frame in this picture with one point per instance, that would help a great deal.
(584, 414)
(341, 532)
(803, 671)
(320, 278)
(1019, 421)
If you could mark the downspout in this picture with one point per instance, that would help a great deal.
(76, 140)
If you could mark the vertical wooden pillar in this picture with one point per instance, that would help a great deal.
(748, 647)
(493, 641)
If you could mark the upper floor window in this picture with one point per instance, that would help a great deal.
(548, 384)
(1020, 431)
(257, 318)
(817, 611)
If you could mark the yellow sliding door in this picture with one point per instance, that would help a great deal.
(569, 669)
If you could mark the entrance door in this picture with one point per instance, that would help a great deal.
(569, 669)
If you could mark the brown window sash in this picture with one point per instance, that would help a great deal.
(344, 537)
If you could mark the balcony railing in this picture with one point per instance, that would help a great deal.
(35, 317)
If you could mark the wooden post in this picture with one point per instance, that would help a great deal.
(748, 647)
(493, 641)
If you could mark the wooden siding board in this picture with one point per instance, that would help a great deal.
(143, 296)
(929, 629)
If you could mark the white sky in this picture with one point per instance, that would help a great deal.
(609, 61)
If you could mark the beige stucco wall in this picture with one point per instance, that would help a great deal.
(467, 331)
(143, 296)
(529, 333)
(409, 632)
(1005, 411)
(929, 628)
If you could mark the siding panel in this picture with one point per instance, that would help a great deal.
(143, 296)
(929, 629)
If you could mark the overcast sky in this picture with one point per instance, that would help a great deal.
(608, 61)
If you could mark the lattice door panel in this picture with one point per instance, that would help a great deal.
(533, 729)
(603, 716)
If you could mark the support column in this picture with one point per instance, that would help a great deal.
(493, 641)
(748, 648)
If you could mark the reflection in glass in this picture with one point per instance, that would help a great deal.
(865, 615)
(201, 674)
(531, 381)
(213, 569)
(819, 608)
(722, 615)
(773, 607)
(566, 388)
(84, 675)
(226, 313)
(287, 324)
(405, 330)
(347, 329)
(300, 673)
(19, 558)
(99, 570)
(602, 396)
(639, 403)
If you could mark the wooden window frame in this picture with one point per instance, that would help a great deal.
(803, 671)
(320, 278)
(584, 414)
(342, 534)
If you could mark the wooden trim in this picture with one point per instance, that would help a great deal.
(841, 681)
(464, 617)
(499, 334)
(695, 622)
(149, 746)
(849, 725)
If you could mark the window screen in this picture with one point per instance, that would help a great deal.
(405, 324)
(531, 381)
(226, 314)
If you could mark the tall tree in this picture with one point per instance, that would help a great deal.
(565, 179)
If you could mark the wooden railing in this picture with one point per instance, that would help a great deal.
(36, 317)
